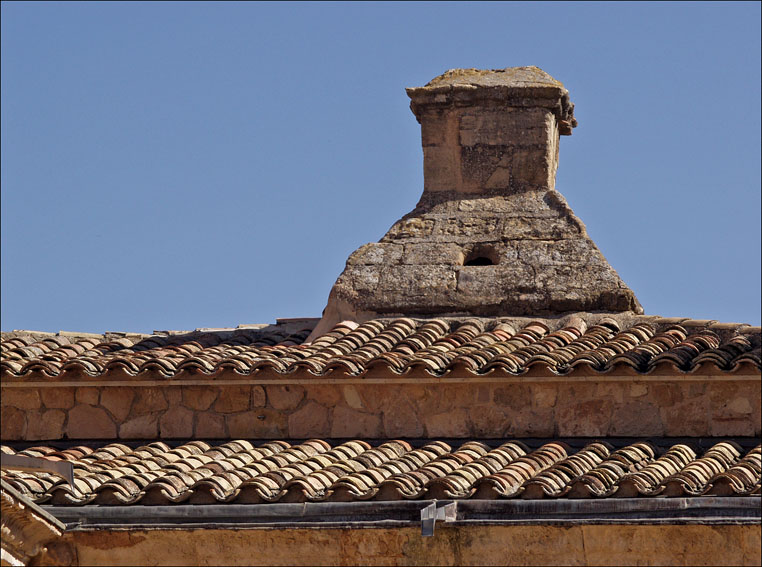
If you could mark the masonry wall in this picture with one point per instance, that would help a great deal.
(726, 405)
(670, 544)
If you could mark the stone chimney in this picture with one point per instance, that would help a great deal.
(490, 236)
(491, 132)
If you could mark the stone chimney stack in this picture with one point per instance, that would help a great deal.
(490, 235)
(491, 132)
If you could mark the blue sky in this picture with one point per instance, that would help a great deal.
(182, 165)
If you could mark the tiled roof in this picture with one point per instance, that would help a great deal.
(589, 342)
(240, 472)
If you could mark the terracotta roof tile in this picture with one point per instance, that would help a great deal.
(582, 342)
(240, 472)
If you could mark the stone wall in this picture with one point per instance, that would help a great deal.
(402, 408)
(665, 544)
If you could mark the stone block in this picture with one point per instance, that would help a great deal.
(118, 401)
(57, 398)
(362, 279)
(447, 424)
(684, 418)
(286, 397)
(531, 422)
(233, 399)
(88, 396)
(12, 423)
(352, 397)
(210, 426)
(45, 424)
(21, 398)
(435, 128)
(433, 253)
(401, 420)
(441, 171)
(513, 397)
(532, 167)
(480, 163)
(89, 422)
(176, 422)
(504, 128)
(417, 281)
(150, 399)
(590, 418)
(415, 227)
(375, 254)
(466, 228)
(348, 422)
(174, 395)
(636, 418)
(440, 398)
(258, 397)
(327, 395)
(141, 427)
(638, 389)
(487, 421)
(544, 395)
(257, 424)
(309, 421)
(199, 398)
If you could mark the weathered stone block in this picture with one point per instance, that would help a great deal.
(348, 422)
(257, 424)
(531, 422)
(636, 418)
(453, 423)
(258, 397)
(21, 398)
(118, 401)
(401, 420)
(375, 253)
(506, 127)
(88, 422)
(233, 399)
(176, 422)
(174, 395)
(45, 424)
(210, 426)
(487, 421)
(435, 128)
(309, 421)
(589, 418)
(434, 253)
(532, 167)
(88, 396)
(142, 427)
(149, 399)
(199, 397)
(286, 397)
(479, 163)
(327, 395)
(57, 398)
(415, 227)
(685, 417)
(441, 170)
(12, 423)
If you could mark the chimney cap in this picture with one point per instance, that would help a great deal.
(509, 77)
(512, 86)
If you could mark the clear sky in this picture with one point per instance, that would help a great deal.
(182, 165)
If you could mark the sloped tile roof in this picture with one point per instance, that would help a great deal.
(592, 343)
(240, 472)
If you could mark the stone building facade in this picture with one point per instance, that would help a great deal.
(482, 388)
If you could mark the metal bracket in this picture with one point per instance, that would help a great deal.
(431, 513)
(35, 464)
